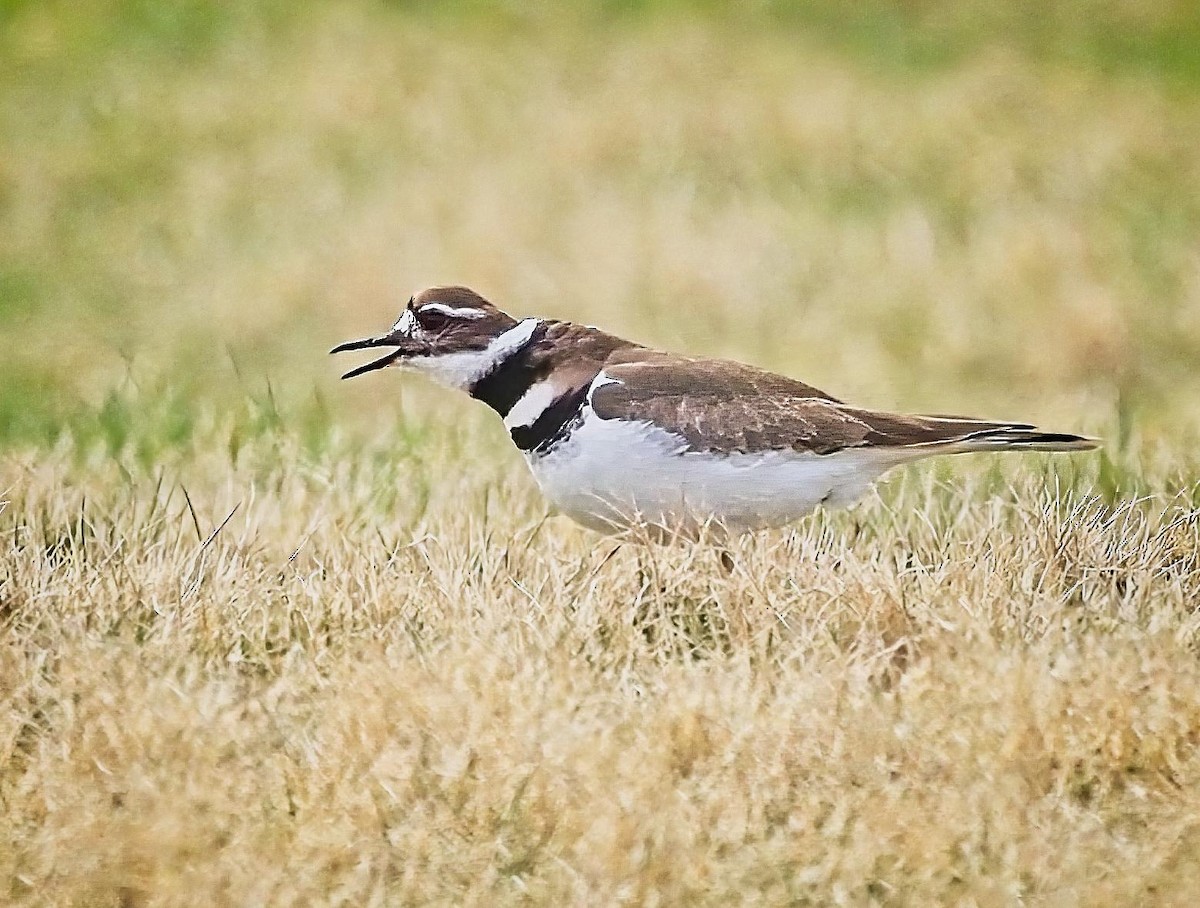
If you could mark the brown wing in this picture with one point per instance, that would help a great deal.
(717, 405)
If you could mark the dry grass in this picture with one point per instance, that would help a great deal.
(317, 644)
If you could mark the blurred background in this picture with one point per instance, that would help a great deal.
(934, 205)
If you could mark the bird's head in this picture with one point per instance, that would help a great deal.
(451, 334)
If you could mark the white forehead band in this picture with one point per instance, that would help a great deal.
(405, 322)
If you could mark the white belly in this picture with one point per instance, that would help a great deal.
(610, 474)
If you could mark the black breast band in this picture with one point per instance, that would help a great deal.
(554, 425)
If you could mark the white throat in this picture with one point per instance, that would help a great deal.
(462, 370)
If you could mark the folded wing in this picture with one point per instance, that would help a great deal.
(727, 407)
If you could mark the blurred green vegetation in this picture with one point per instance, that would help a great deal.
(1160, 37)
(197, 199)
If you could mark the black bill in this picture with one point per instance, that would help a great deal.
(405, 346)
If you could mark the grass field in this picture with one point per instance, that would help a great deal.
(269, 639)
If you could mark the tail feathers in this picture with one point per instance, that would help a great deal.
(1017, 438)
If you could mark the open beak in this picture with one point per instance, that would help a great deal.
(405, 346)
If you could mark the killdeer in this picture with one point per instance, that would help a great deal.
(617, 434)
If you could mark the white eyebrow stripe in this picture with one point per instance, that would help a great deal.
(464, 312)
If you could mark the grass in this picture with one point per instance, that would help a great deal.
(270, 639)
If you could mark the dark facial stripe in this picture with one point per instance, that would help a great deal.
(506, 384)
(554, 425)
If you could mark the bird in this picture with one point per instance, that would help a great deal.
(620, 435)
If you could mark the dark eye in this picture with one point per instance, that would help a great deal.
(432, 319)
